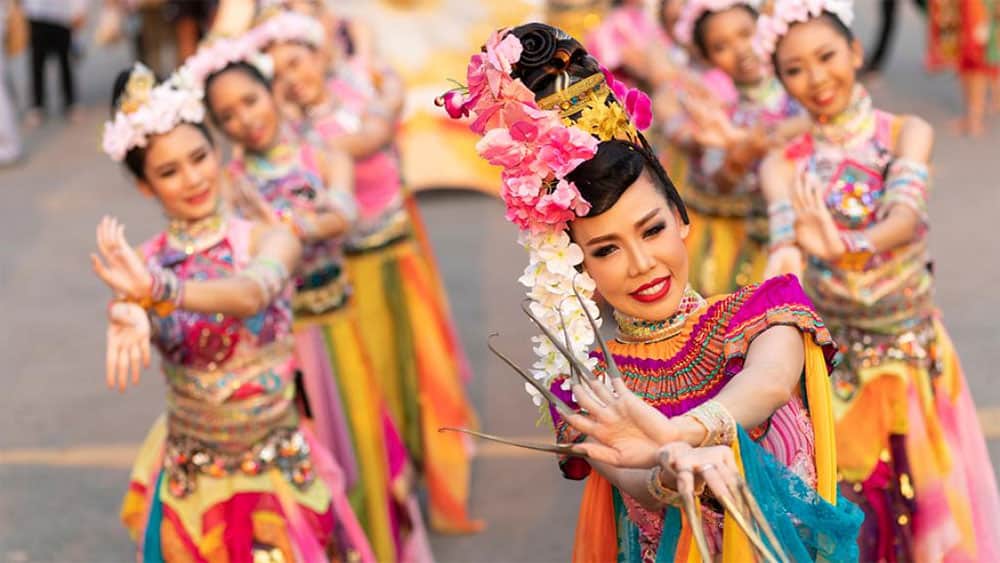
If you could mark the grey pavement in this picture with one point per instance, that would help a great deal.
(51, 340)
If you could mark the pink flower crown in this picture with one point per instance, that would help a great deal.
(773, 26)
(217, 53)
(147, 109)
(286, 25)
(694, 9)
(537, 148)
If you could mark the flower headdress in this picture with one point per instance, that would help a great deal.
(284, 25)
(538, 144)
(217, 53)
(772, 27)
(146, 109)
(693, 10)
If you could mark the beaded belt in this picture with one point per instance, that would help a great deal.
(284, 449)
(861, 349)
(724, 205)
(207, 405)
(330, 292)
(390, 228)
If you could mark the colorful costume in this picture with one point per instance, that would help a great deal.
(909, 445)
(408, 327)
(729, 232)
(964, 35)
(678, 364)
(337, 372)
(231, 472)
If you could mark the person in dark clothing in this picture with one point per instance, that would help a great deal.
(887, 29)
(52, 25)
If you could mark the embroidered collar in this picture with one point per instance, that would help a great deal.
(634, 330)
(195, 236)
(855, 125)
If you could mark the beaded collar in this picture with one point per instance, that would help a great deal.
(853, 126)
(277, 161)
(768, 92)
(198, 235)
(633, 330)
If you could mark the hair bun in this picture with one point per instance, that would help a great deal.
(539, 42)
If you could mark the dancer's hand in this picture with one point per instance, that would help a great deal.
(118, 265)
(786, 259)
(694, 468)
(625, 430)
(252, 205)
(128, 344)
(815, 229)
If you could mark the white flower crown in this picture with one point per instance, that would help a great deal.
(694, 9)
(147, 109)
(773, 26)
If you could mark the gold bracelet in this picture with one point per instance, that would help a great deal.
(718, 422)
(659, 491)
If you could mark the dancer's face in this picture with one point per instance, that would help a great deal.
(635, 252)
(818, 66)
(245, 110)
(298, 73)
(669, 14)
(182, 171)
(728, 41)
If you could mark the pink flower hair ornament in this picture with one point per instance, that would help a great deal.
(287, 26)
(218, 53)
(785, 13)
(538, 144)
(693, 10)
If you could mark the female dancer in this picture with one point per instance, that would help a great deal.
(854, 195)
(408, 327)
(715, 366)
(284, 179)
(965, 36)
(729, 227)
(232, 474)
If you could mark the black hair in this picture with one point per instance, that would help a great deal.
(239, 66)
(549, 53)
(830, 18)
(603, 178)
(135, 158)
(701, 25)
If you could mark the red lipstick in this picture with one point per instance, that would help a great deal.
(642, 297)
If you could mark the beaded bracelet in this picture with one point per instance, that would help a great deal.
(719, 423)
(781, 224)
(906, 183)
(165, 293)
(270, 275)
(659, 491)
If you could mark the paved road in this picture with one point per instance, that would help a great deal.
(66, 442)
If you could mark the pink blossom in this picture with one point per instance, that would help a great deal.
(565, 148)
(500, 148)
(454, 103)
(637, 104)
(502, 52)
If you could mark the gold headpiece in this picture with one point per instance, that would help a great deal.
(138, 89)
(589, 105)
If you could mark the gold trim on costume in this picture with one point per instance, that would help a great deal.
(589, 105)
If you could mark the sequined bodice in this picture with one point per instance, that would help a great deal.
(891, 290)
(288, 179)
(212, 341)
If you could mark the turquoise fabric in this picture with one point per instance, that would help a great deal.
(808, 527)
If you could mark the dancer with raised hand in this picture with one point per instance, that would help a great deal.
(231, 473)
(854, 193)
(282, 178)
(409, 331)
(729, 226)
(746, 371)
